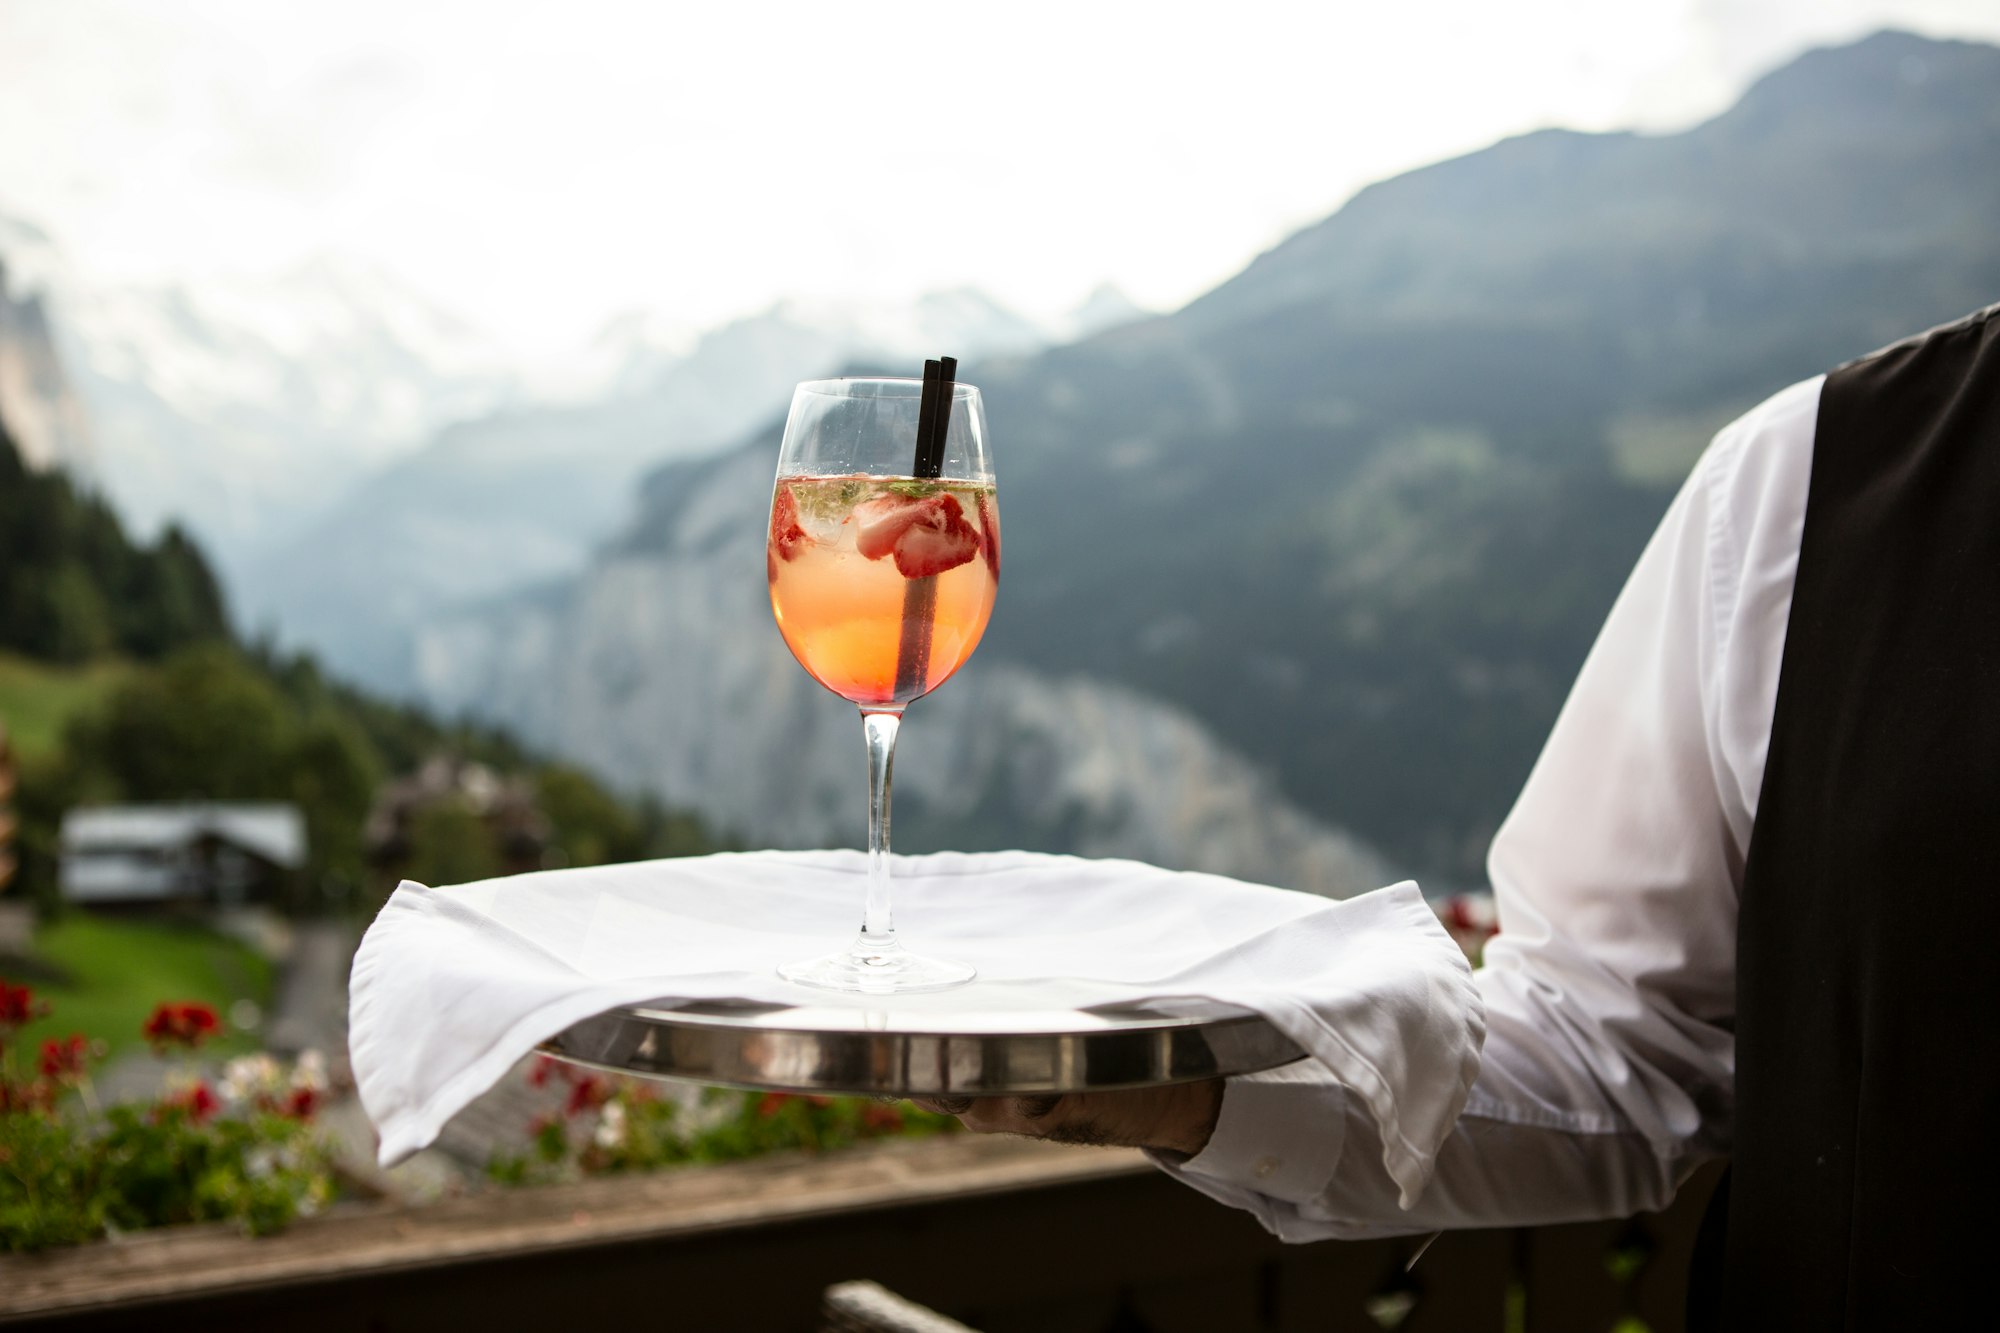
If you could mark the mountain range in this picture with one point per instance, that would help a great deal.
(660, 670)
(1295, 573)
(524, 494)
(1090, 767)
(48, 417)
(355, 456)
(236, 407)
(1357, 511)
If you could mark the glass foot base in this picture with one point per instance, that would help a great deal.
(867, 970)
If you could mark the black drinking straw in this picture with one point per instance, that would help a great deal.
(930, 453)
(913, 653)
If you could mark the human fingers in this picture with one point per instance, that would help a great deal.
(1179, 1117)
(1035, 1117)
(941, 1105)
(991, 1111)
(1086, 1118)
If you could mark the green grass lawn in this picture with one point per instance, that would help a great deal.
(119, 969)
(37, 699)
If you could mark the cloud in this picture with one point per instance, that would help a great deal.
(541, 167)
(308, 137)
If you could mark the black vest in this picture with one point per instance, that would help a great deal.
(1865, 1187)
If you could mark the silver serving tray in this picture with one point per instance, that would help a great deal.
(743, 1044)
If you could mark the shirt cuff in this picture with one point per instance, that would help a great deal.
(1279, 1134)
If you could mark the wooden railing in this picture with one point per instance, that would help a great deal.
(1007, 1235)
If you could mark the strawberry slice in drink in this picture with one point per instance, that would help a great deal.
(927, 535)
(878, 522)
(788, 535)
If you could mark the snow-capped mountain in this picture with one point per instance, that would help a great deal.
(39, 405)
(42, 413)
(243, 407)
(34, 262)
(638, 347)
(1106, 307)
(355, 457)
(333, 344)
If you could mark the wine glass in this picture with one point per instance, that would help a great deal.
(884, 559)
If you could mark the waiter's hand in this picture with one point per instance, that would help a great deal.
(1177, 1118)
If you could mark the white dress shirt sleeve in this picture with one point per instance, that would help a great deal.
(1609, 1061)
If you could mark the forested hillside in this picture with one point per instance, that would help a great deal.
(1362, 508)
(121, 658)
(73, 587)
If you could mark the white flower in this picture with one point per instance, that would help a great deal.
(247, 1077)
(611, 1126)
(310, 1071)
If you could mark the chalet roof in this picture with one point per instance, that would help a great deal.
(273, 830)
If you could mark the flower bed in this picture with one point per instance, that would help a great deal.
(241, 1147)
(241, 1150)
(611, 1124)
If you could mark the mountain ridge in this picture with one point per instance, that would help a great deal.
(1361, 509)
(1478, 414)
(523, 495)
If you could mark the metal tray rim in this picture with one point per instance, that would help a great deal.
(762, 1053)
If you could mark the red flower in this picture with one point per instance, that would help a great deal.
(198, 1103)
(63, 1061)
(538, 1073)
(818, 1102)
(17, 1005)
(586, 1093)
(39, 1095)
(882, 1119)
(185, 1024)
(300, 1103)
(770, 1102)
(1471, 916)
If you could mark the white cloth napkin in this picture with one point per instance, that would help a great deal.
(452, 986)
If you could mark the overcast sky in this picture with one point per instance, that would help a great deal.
(539, 168)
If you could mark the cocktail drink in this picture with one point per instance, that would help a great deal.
(883, 556)
(846, 558)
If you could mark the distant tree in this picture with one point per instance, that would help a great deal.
(207, 724)
(592, 826)
(72, 585)
(678, 832)
(589, 825)
(69, 615)
(334, 774)
(218, 722)
(450, 843)
(9, 861)
(401, 736)
(171, 598)
(203, 725)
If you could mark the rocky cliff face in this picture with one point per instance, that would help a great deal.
(661, 669)
(43, 414)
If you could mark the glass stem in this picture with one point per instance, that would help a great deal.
(878, 928)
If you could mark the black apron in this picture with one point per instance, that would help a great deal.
(1864, 1191)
